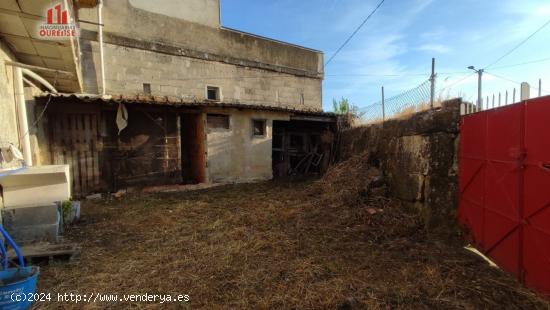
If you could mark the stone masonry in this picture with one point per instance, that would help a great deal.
(418, 157)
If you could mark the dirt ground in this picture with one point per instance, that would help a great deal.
(273, 245)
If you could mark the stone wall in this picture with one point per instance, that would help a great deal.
(418, 157)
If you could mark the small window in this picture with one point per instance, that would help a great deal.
(217, 121)
(213, 93)
(258, 127)
(147, 88)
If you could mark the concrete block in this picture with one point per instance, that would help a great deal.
(32, 215)
(36, 233)
(36, 186)
(33, 223)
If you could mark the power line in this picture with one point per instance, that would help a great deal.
(456, 82)
(515, 82)
(355, 32)
(519, 45)
(375, 75)
(393, 75)
(523, 63)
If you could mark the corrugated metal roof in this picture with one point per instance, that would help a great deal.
(180, 102)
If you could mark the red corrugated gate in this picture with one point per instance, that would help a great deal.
(505, 187)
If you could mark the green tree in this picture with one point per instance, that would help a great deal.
(342, 106)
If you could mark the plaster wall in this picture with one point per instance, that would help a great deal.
(8, 116)
(235, 154)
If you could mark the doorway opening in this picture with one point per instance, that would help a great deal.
(193, 157)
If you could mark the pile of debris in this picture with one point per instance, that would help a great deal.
(356, 184)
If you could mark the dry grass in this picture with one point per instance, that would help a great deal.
(289, 245)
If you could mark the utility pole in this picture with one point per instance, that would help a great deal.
(383, 106)
(432, 84)
(479, 96)
(479, 90)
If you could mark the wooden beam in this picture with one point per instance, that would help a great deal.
(37, 68)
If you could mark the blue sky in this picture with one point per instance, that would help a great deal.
(395, 47)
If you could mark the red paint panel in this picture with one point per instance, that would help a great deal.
(472, 175)
(504, 131)
(504, 181)
(536, 247)
(536, 257)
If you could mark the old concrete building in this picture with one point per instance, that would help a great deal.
(159, 92)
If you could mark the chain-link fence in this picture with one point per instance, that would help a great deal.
(408, 102)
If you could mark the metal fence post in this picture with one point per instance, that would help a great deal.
(383, 106)
(506, 101)
(432, 84)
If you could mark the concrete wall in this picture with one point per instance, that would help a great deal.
(418, 157)
(235, 155)
(205, 12)
(9, 126)
(184, 77)
(8, 117)
(145, 24)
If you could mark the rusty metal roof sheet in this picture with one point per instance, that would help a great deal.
(180, 102)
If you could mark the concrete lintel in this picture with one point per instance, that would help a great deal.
(324, 119)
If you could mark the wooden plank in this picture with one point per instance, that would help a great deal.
(56, 148)
(48, 253)
(96, 137)
(89, 153)
(74, 156)
(81, 142)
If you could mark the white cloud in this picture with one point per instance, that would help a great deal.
(435, 48)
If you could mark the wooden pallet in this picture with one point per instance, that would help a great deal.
(46, 253)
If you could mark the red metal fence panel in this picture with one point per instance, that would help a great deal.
(505, 187)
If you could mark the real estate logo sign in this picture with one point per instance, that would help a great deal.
(58, 25)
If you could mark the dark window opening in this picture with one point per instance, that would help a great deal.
(217, 121)
(147, 88)
(213, 93)
(258, 127)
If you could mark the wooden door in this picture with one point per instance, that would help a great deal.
(75, 141)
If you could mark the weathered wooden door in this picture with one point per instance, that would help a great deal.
(75, 141)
